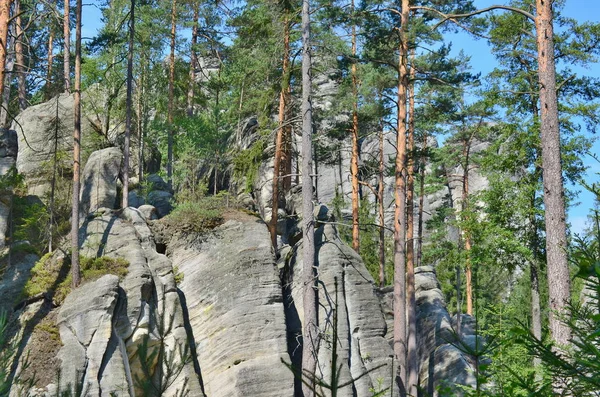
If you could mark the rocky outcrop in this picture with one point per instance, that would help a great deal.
(99, 181)
(8, 156)
(43, 130)
(235, 309)
(346, 290)
(443, 358)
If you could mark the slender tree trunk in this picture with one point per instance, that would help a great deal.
(140, 123)
(128, 106)
(310, 334)
(171, 95)
(354, 158)
(559, 281)
(466, 232)
(67, 47)
(76, 153)
(422, 165)
(400, 213)
(21, 81)
(48, 85)
(279, 140)
(51, 205)
(412, 362)
(380, 193)
(536, 311)
(4, 18)
(193, 62)
(8, 73)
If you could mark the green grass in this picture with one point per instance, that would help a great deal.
(53, 276)
(196, 216)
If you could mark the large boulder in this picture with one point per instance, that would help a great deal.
(99, 180)
(44, 130)
(235, 309)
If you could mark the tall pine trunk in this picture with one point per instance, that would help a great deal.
(8, 75)
(422, 165)
(75, 271)
(559, 281)
(128, 106)
(280, 138)
(400, 212)
(21, 80)
(411, 353)
(193, 63)
(171, 95)
(4, 19)
(465, 216)
(67, 46)
(48, 85)
(310, 332)
(354, 157)
(381, 206)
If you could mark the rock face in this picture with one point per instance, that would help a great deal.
(443, 362)
(8, 156)
(40, 133)
(362, 345)
(99, 180)
(235, 310)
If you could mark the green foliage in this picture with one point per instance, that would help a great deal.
(51, 275)
(247, 162)
(196, 213)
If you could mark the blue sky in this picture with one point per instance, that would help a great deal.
(482, 61)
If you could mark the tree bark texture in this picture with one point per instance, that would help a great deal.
(171, 95)
(9, 66)
(399, 301)
(411, 352)
(75, 271)
(559, 282)
(193, 63)
(48, 85)
(128, 106)
(4, 19)
(354, 157)
(20, 57)
(280, 137)
(67, 46)
(381, 206)
(310, 334)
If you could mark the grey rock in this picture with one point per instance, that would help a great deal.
(85, 325)
(235, 309)
(148, 212)
(8, 155)
(155, 182)
(14, 279)
(135, 200)
(99, 180)
(162, 201)
(36, 129)
(362, 346)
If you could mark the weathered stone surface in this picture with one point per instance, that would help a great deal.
(8, 156)
(155, 182)
(99, 180)
(135, 200)
(235, 310)
(14, 279)
(148, 212)
(85, 325)
(442, 361)
(362, 344)
(38, 133)
(162, 201)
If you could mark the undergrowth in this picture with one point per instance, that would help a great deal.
(52, 276)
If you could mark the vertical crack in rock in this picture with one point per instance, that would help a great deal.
(292, 321)
(349, 335)
(190, 337)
